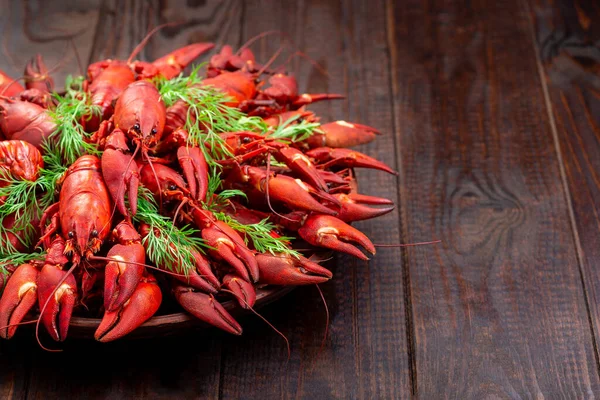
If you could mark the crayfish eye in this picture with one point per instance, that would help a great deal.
(153, 131)
(94, 233)
(136, 127)
(71, 234)
(246, 140)
(172, 187)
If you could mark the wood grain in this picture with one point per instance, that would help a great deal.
(15, 368)
(499, 309)
(52, 29)
(568, 39)
(366, 352)
(58, 31)
(176, 367)
(138, 369)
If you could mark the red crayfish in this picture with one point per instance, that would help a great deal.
(98, 237)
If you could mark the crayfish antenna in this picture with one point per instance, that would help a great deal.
(136, 263)
(151, 164)
(43, 309)
(13, 82)
(271, 60)
(326, 322)
(260, 36)
(314, 63)
(77, 58)
(179, 207)
(122, 188)
(408, 244)
(33, 321)
(267, 189)
(144, 41)
(241, 299)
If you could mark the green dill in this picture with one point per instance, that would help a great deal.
(69, 136)
(295, 132)
(19, 258)
(208, 114)
(62, 147)
(260, 235)
(20, 204)
(167, 245)
(215, 197)
(16, 259)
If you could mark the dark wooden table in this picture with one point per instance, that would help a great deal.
(490, 111)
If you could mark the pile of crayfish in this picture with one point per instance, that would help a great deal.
(139, 182)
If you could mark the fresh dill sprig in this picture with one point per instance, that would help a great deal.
(260, 235)
(20, 203)
(294, 132)
(208, 114)
(215, 197)
(167, 245)
(16, 259)
(19, 258)
(69, 135)
(62, 147)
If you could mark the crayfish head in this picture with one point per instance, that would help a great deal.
(20, 159)
(148, 131)
(84, 239)
(162, 180)
(141, 113)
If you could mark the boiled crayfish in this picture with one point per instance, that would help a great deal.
(163, 201)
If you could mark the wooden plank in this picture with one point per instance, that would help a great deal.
(182, 367)
(568, 39)
(499, 309)
(122, 25)
(163, 368)
(15, 368)
(29, 28)
(366, 352)
(54, 29)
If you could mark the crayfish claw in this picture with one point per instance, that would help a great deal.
(284, 269)
(19, 296)
(327, 231)
(121, 276)
(305, 99)
(342, 134)
(206, 308)
(347, 158)
(294, 193)
(36, 75)
(224, 249)
(352, 209)
(230, 247)
(195, 170)
(301, 165)
(120, 172)
(172, 64)
(244, 291)
(372, 200)
(141, 306)
(57, 303)
(202, 277)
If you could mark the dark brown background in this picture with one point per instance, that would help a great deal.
(490, 111)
